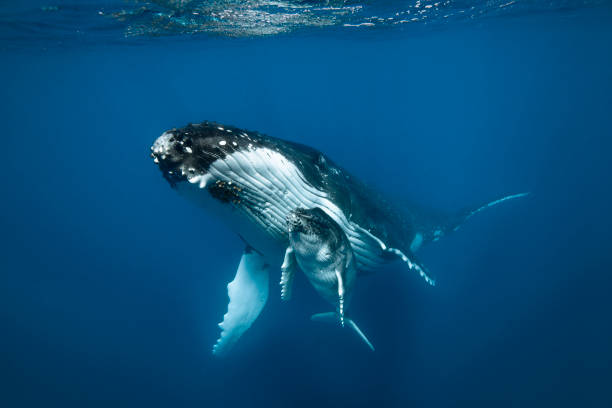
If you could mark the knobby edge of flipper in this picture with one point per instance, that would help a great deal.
(332, 317)
(248, 294)
(287, 274)
(410, 259)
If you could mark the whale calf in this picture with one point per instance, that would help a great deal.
(254, 181)
(323, 252)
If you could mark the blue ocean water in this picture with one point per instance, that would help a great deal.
(111, 284)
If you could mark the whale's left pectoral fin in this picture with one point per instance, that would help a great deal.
(287, 274)
(415, 265)
(331, 317)
(248, 293)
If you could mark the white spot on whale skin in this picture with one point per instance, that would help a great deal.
(188, 150)
(222, 142)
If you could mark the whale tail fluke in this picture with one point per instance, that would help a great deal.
(332, 317)
(454, 222)
(469, 213)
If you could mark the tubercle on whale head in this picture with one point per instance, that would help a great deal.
(169, 153)
(185, 154)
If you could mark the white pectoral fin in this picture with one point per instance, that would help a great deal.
(411, 261)
(355, 328)
(248, 293)
(287, 274)
(331, 317)
(340, 296)
(414, 264)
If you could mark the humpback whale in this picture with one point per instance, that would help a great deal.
(323, 252)
(254, 181)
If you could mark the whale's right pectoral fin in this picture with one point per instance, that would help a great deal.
(287, 274)
(332, 317)
(394, 253)
(248, 293)
(354, 326)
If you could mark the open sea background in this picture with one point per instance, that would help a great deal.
(111, 285)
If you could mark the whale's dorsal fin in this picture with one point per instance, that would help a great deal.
(332, 317)
(248, 293)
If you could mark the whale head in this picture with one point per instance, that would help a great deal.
(185, 154)
(242, 176)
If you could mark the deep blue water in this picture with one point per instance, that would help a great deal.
(111, 285)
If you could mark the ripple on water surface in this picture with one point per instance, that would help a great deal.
(115, 20)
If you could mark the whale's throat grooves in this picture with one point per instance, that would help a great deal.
(262, 187)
